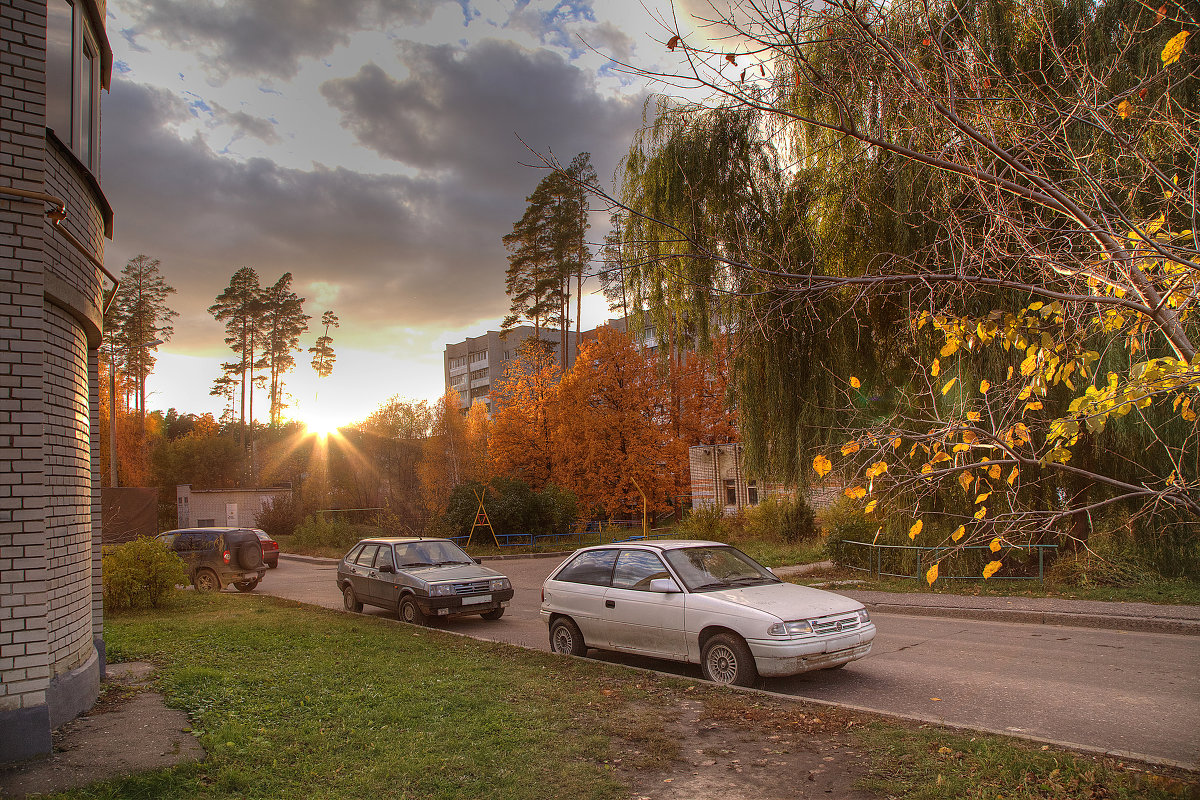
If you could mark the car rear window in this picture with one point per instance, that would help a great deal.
(352, 556)
(595, 567)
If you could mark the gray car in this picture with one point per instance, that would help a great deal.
(420, 579)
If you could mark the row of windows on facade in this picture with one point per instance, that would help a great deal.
(476, 358)
(73, 81)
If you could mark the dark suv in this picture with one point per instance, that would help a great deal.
(217, 557)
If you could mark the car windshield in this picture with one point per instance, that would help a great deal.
(709, 568)
(433, 553)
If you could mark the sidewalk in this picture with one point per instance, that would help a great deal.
(1147, 617)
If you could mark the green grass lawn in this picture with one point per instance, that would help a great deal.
(290, 700)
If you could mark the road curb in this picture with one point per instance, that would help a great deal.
(1076, 620)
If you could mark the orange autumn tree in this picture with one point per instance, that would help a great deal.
(611, 434)
(519, 444)
(445, 454)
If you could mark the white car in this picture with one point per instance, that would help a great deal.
(704, 603)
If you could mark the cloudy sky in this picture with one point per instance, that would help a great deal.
(369, 147)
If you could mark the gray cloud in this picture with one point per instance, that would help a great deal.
(463, 110)
(245, 124)
(267, 37)
(407, 251)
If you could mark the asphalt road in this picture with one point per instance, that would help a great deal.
(1128, 692)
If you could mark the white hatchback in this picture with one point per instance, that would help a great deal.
(702, 602)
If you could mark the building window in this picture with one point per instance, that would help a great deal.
(456, 363)
(478, 374)
(73, 80)
(752, 493)
(480, 357)
(479, 391)
(206, 523)
(730, 493)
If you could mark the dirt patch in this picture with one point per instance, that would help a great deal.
(726, 751)
(129, 730)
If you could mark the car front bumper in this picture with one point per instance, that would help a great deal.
(470, 604)
(779, 658)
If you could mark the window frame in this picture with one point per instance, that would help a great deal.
(614, 551)
(82, 136)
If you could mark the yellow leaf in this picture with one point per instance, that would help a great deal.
(995, 545)
(961, 447)
(870, 507)
(981, 513)
(949, 385)
(915, 529)
(973, 416)
(1036, 405)
(936, 368)
(1174, 48)
(1012, 476)
(965, 480)
(1125, 109)
(958, 534)
(950, 349)
(982, 498)
(994, 472)
(855, 382)
(932, 574)
(1010, 373)
(1188, 415)
(896, 443)
(877, 469)
(984, 385)
(856, 493)
(849, 447)
(991, 569)
(822, 466)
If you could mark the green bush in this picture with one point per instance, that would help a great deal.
(790, 520)
(706, 523)
(321, 531)
(140, 573)
(1106, 562)
(512, 507)
(845, 521)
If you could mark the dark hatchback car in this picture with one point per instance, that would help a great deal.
(420, 579)
(217, 557)
(270, 548)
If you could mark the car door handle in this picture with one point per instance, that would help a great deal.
(610, 603)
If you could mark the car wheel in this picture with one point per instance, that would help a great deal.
(410, 612)
(493, 615)
(273, 564)
(566, 638)
(246, 586)
(350, 599)
(726, 660)
(206, 581)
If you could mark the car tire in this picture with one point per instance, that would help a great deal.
(726, 660)
(245, 586)
(207, 581)
(273, 564)
(493, 615)
(350, 600)
(408, 611)
(566, 638)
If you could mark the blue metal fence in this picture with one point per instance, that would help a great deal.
(581, 534)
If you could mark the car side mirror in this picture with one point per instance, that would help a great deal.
(664, 586)
(477, 560)
(387, 568)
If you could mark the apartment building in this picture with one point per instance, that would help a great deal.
(54, 60)
(473, 366)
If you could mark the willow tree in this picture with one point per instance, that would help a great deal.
(1037, 166)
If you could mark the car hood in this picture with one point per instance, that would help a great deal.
(452, 572)
(786, 600)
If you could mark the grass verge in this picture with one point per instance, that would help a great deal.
(289, 700)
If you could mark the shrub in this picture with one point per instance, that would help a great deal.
(512, 507)
(140, 573)
(317, 532)
(705, 523)
(845, 521)
(281, 516)
(1106, 562)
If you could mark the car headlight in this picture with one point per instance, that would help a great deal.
(499, 584)
(441, 589)
(863, 616)
(797, 628)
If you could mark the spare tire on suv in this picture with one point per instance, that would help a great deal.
(245, 551)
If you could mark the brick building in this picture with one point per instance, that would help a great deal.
(54, 59)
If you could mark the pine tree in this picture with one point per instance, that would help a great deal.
(283, 322)
(139, 321)
(240, 307)
(323, 355)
